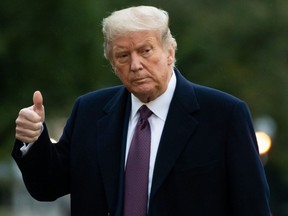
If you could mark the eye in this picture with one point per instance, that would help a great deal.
(146, 52)
(122, 57)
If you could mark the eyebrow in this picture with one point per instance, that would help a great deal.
(140, 46)
(144, 43)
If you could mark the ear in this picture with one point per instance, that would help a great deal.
(114, 70)
(171, 55)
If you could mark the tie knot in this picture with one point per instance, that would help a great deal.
(145, 112)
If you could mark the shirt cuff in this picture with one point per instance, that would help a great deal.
(25, 148)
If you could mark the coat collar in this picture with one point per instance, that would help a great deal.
(112, 133)
(180, 125)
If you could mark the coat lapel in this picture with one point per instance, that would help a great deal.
(180, 125)
(112, 132)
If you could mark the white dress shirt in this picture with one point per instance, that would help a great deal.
(159, 107)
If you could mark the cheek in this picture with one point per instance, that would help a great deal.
(124, 77)
(120, 70)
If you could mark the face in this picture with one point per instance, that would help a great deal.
(142, 64)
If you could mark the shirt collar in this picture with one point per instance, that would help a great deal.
(160, 105)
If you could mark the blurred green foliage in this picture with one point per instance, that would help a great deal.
(237, 46)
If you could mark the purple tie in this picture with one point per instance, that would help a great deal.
(137, 167)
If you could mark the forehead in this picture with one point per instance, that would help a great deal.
(136, 39)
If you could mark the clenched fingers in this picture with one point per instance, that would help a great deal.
(28, 125)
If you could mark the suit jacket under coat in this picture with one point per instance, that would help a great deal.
(207, 162)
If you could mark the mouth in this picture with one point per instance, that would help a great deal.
(141, 80)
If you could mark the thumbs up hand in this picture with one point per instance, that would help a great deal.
(30, 120)
(38, 105)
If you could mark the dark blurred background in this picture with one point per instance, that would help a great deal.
(55, 46)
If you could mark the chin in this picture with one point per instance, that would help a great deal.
(146, 96)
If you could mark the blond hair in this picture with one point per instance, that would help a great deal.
(140, 18)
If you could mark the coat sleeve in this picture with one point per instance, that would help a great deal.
(44, 178)
(46, 167)
(248, 188)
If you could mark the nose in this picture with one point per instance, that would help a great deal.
(136, 64)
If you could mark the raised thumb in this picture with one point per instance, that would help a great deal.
(38, 103)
